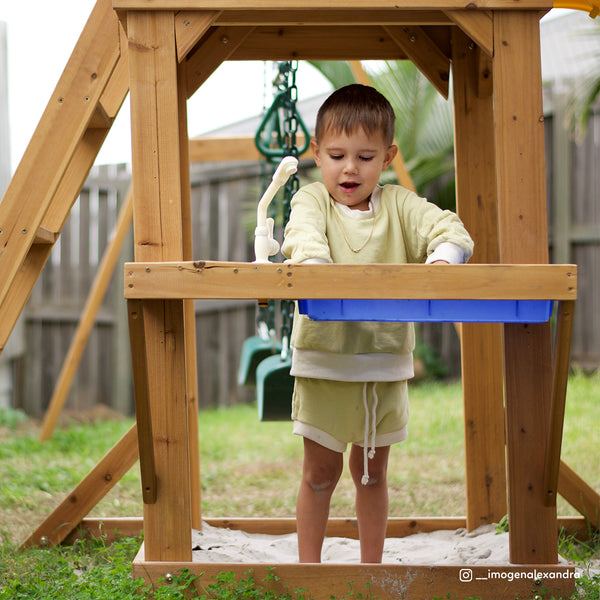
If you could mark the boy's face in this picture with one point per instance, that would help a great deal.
(351, 165)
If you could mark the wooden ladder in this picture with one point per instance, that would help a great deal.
(59, 157)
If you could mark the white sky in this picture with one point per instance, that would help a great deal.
(41, 36)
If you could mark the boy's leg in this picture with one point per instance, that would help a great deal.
(320, 473)
(371, 502)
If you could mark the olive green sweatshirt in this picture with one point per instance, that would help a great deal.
(399, 228)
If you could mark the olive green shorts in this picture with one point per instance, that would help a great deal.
(333, 414)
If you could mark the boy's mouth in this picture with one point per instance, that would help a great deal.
(349, 185)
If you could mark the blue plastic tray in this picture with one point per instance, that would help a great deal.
(455, 311)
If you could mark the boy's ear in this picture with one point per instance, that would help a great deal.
(390, 154)
(314, 146)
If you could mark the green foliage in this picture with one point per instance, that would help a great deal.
(11, 418)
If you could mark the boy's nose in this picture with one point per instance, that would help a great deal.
(350, 166)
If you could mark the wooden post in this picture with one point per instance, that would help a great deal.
(481, 345)
(189, 307)
(156, 157)
(523, 238)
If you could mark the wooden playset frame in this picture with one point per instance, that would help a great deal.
(162, 51)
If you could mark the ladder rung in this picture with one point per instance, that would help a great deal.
(45, 236)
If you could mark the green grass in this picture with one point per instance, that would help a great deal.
(249, 469)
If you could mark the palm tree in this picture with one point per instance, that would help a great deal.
(585, 94)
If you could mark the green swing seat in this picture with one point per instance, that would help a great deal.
(274, 388)
(255, 349)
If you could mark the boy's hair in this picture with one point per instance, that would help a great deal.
(353, 107)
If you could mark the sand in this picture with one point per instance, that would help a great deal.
(454, 547)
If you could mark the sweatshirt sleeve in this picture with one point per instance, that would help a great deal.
(431, 228)
(305, 234)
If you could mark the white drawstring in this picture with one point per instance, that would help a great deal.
(366, 452)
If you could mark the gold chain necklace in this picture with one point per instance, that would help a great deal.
(355, 250)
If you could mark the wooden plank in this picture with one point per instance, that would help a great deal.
(318, 43)
(579, 494)
(116, 89)
(217, 47)
(523, 236)
(45, 236)
(383, 581)
(190, 26)
(478, 25)
(332, 17)
(61, 127)
(424, 53)
(325, 4)
(213, 279)
(189, 309)
(230, 149)
(143, 416)
(110, 527)
(88, 317)
(20, 289)
(481, 345)
(156, 157)
(562, 363)
(92, 488)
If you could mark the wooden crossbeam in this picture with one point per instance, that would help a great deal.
(478, 25)
(260, 5)
(304, 17)
(425, 54)
(92, 488)
(213, 279)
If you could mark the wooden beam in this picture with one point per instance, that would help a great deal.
(230, 149)
(218, 46)
(325, 4)
(318, 43)
(190, 26)
(332, 17)
(562, 363)
(158, 226)
(579, 494)
(386, 581)
(143, 415)
(189, 312)
(478, 25)
(481, 345)
(424, 53)
(92, 488)
(523, 236)
(212, 279)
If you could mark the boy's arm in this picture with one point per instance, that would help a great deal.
(447, 252)
(305, 234)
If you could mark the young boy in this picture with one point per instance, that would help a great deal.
(350, 377)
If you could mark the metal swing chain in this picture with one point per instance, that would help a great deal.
(288, 75)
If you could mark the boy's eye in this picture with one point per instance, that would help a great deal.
(336, 156)
(366, 158)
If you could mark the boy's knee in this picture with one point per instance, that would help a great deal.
(322, 478)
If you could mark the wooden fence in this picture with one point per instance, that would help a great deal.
(223, 200)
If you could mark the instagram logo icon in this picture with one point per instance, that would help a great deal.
(465, 575)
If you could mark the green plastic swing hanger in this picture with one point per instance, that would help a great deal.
(272, 137)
